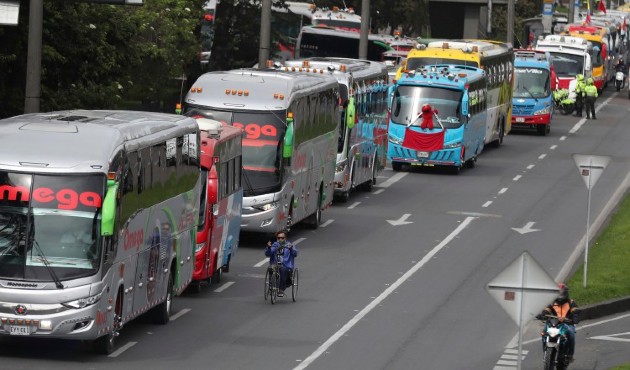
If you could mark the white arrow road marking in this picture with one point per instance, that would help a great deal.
(401, 221)
(613, 337)
(525, 229)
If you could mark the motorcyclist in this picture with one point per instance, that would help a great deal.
(566, 310)
(621, 67)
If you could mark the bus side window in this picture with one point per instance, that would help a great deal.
(147, 169)
(238, 169)
(130, 197)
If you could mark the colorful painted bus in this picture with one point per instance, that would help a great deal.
(496, 58)
(219, 224)
(362, 143)
(98, 226)
(596, 35)
(532, 104)
(438, 117)
(291, 125)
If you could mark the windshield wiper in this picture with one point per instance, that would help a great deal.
(47, 264)
(530, 93)
(248, 184)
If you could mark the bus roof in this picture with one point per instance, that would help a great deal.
(483, 47)
(567, 44)
(253, 89)
(532, 58)
(340, 67)
(442, 75)
(81, 140)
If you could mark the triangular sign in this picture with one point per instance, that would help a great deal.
(523, 289)
(590, 167)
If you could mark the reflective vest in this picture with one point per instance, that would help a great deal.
(562, 310)
(591, 90)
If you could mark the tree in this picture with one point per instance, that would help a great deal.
(103, 56)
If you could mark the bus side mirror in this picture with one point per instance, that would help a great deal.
(350, 113)
(108, 209)
(587, 66)
(287, 148)
(465, 104)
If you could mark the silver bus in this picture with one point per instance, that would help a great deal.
(98, 224)
(290, 123)
(362, 142)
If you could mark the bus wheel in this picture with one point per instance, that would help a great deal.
(106, 344)
(455, 170)
(344, 197)
(216, 276)
(396, 166)
(289, 219)
(470, 163)
(316, 218)
(499, 141)
(368, 185)
(162, 312)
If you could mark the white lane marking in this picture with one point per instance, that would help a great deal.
(542, 156)
(486, 204)
(223, 287)
(503, 190)
(612, 337)
(378, 191)
(328, 222)
(180, 314)
(581, 122)
(577, 126)
(122, 349)
(530, 166)
(344, 329)
(259, 264)
(263, 262)
(354, 205)
(387, 183)
(563, 138)
(517, 177)
(508, 363)
(553, 147)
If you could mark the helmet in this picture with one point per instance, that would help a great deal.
(563, 296)
(589, 81)
(580, 77)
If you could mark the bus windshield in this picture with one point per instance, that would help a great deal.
(531, 83)
(408, 102)
(263, 133)
(415, 63)
(567, 65)
(596, 54)
(49, 220)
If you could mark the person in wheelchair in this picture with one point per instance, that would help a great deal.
(288, 252)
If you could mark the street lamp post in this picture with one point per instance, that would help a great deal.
(32, 92)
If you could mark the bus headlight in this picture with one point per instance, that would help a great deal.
(395, 140)
(456, 144)
(341, 167)
(83, 302)
(545, 110)
(199, 247)
(266, 207)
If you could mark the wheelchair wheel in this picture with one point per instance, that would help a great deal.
(274, 284)
(267, 283)
(294, 286)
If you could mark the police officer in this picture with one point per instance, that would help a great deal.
(591, 96)
(579, 95)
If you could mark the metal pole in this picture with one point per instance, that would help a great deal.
(520, 314)
(489, 27)
(588, 222)
(510, 22)
(265, 34)
(32, 92)
(365, 29)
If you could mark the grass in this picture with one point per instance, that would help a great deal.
(608, 274)
(621, 367)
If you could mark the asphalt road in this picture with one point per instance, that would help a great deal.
(407, 295)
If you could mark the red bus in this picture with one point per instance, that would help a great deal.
(221, 200)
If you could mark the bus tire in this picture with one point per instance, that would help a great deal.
(470, 163)
(541, 130)
(344, 196)
(316, 218)
(497, 143)
(396, 166)
(162, 312)
(106, 344)
(217, 275)
(368, 185)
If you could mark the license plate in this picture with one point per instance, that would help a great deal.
(520, 119)
(20, 330)
(423, 154)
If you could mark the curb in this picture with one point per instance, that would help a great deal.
(606, 308)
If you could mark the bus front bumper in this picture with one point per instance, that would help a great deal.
(525, 122)
(61, 322)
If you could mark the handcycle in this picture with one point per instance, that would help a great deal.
(272, 280)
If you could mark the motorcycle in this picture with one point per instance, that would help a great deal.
(620, 79)
(564, 102)
(555, 344)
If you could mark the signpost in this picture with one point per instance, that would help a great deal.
(591, 168)
(9, 12)
(523, 289)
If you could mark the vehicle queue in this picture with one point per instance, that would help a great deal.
(256, 150)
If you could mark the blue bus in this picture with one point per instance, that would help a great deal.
(438, 117)
(532, 101)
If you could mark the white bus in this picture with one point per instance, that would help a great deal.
(98, 225)
(362, 144)
(290, 123)
(320, 41)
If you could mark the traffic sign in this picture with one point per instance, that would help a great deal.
(523, 289)
(9, 12)
(590, 167)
